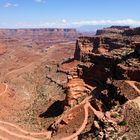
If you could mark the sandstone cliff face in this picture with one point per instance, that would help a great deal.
(106, 57)
(37, 37)
(117, 56)
(106, 80)
(131, 32)
(112, 30)
(36, 32)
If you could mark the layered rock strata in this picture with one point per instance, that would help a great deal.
(37, 38)
(105, 84)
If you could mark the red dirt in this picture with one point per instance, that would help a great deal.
(70, 66)
(3, 48)
(98, 60)
(22, 75)
(33, 81)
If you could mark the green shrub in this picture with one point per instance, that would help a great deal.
(114, 115)
(124, 138)
(122, 123)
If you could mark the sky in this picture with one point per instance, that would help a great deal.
(68, 13)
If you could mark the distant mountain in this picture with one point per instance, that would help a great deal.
(91, 27)
(86, 33)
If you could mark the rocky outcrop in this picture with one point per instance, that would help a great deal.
(112, 30)
(131, 32)
(126, 72)
(125, 90)
(77, 90)
(117, 56)
(119, 27)
(132, 115)
(105, 81)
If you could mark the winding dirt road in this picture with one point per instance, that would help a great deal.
(86, 109)
(6, 87)
(17, 133)
(132, 84)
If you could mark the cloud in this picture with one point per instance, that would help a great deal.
(39, 24)
(107, 22)
(64, 21)
(67, 24)
(40, 1)
(8, 5)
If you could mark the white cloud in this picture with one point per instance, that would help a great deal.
(8, 5)
(64, 23)
(40, 1)
(107, 22)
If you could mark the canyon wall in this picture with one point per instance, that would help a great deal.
(103, 75)
(105, 55)
(131, 32)
(43, 37)
(112, 30)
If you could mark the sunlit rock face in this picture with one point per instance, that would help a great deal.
(43, 37)
(107, 71)
(112, 30)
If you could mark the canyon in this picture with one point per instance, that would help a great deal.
(52, 87)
